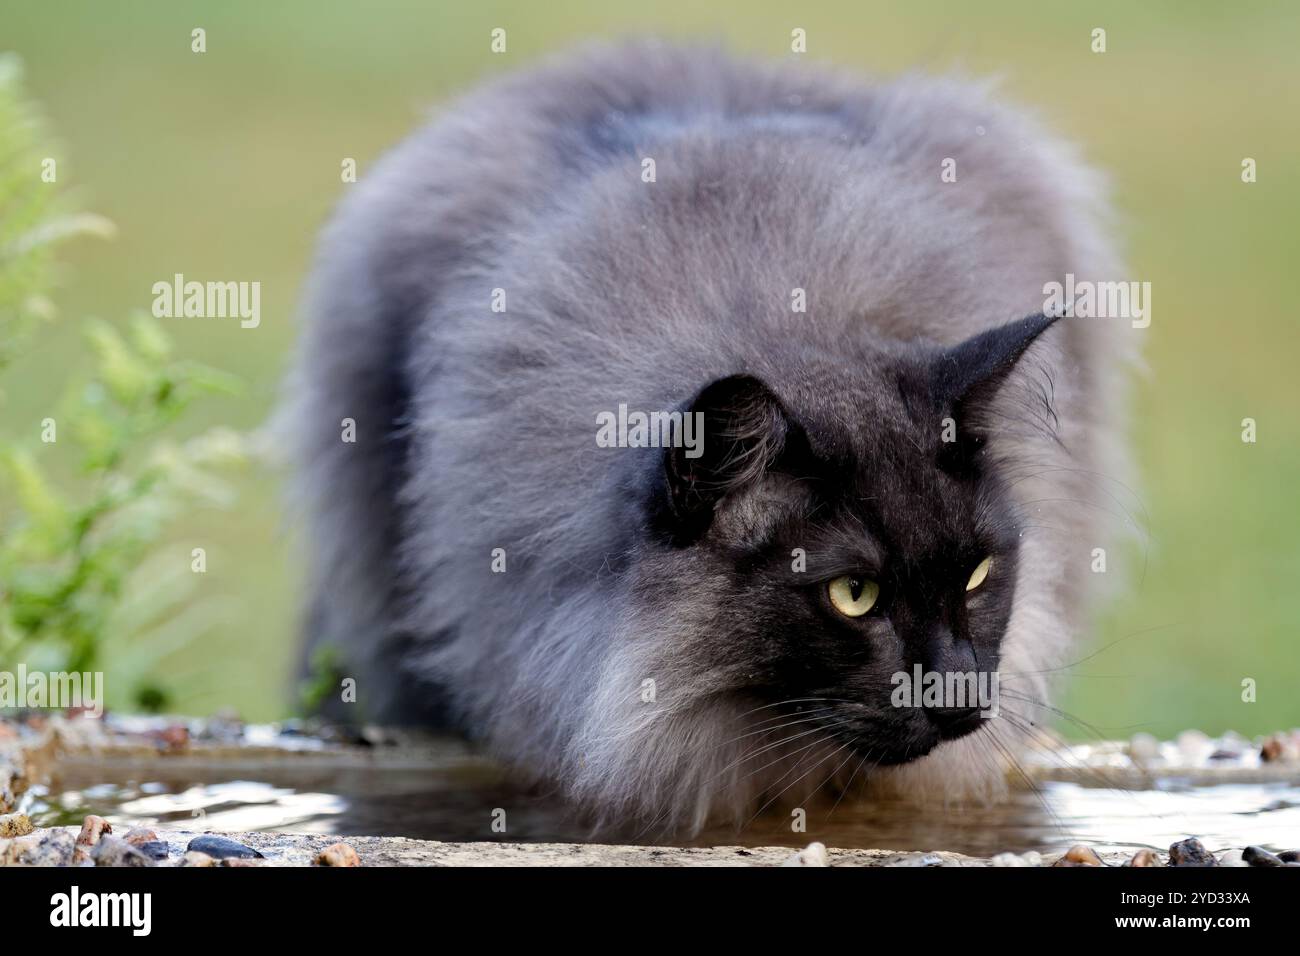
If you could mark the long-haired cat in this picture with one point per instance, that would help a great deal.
(903, 461)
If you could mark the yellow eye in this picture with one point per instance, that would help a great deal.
(853, 596)
(979, 574)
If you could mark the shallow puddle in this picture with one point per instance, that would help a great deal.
(456, 804)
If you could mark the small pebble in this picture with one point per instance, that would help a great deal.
(1258, 856)
(1143, 748)
(1191, 853)
(92, 828)
(15, 825)
(138, 836)
(1079, 856)
(222, 848)
(1194, 746)
(225, 726)
(1271, 750)
(340, 854)
(194, 858)
(1145, 858)
(1232, 858)
(55, 847)
(13, 851)
(113, 851)
(154, 849)
(174, 738)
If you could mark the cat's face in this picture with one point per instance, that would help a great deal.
(853, 544)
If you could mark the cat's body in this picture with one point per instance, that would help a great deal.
(475, 429)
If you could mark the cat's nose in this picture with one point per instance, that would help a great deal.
(954, 721)
(952, 658)
(946, 653)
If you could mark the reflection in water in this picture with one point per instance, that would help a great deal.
(456, 804)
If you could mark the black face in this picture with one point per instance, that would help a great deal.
(895, 577)
(859, 557)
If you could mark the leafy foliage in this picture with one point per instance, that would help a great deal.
(87, 492)
(33, 216)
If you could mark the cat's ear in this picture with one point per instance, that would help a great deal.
(965, 377)
(741, 430)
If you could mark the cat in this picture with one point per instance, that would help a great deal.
(845, 279)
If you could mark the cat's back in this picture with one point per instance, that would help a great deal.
(922, 187)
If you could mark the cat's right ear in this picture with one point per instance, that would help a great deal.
(965, 378)
(738, 430)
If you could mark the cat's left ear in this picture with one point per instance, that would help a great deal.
(965, 377)
(742, 430)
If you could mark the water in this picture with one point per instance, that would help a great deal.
(455, 803)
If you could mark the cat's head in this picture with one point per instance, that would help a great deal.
(843, 527)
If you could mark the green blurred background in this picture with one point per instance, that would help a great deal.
(224, 165)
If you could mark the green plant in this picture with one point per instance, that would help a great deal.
(34, 218)
(324, 674)
(82, 576)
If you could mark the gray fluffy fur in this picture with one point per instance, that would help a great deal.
(770, 177)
